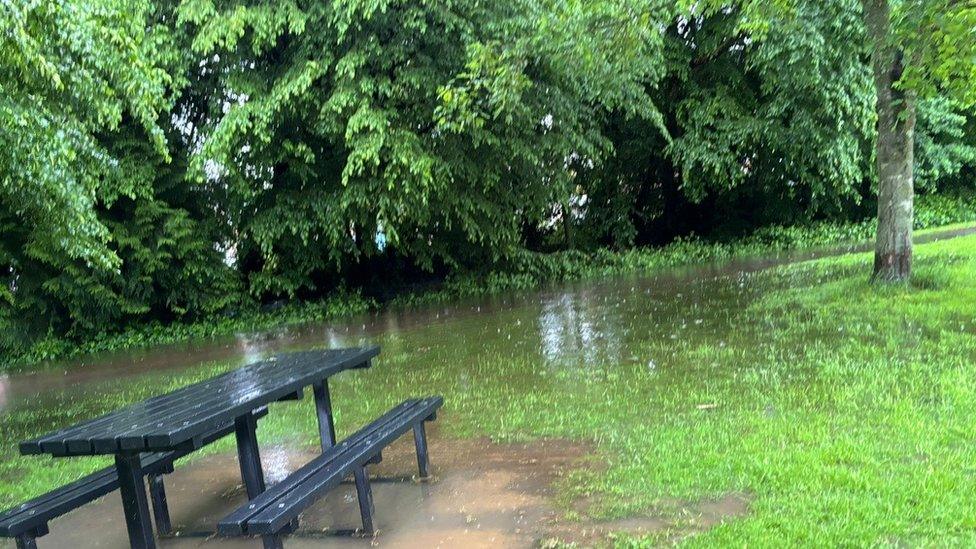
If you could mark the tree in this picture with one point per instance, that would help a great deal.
(768, 116)
(918, 49)
(98, 227)
(440, 128)
(68, 71)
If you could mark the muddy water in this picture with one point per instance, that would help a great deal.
(485, 494)
(511, 508)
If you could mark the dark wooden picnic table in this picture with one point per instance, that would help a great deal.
(179, 420)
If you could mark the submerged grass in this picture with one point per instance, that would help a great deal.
(843, 409)
(526, 271)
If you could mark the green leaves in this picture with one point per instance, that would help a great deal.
(89, 241)
(71, 70)
(445, 124)
(164, 160)
(938, 38)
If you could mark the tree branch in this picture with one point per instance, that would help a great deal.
(714, 54)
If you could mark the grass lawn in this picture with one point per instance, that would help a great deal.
(843, 411)
(848, 413)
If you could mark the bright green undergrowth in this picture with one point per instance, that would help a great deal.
(339, 305)
(531, 270)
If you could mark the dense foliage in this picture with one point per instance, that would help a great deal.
(99, 226)
(164, 162)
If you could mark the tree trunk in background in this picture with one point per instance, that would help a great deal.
(568, 225)
(894, 151)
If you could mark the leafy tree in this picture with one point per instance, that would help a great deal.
(918, 49)
(444, 128)
(945, 145)
(94, 235)
(68, 71)
(768, 119)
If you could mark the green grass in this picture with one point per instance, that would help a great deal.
(843, 409)
(853, 424)
(944, 228)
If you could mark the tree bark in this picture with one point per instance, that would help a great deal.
(894, 150)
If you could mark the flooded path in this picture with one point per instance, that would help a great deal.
(484, 499)
(534, 354)
(18, 389)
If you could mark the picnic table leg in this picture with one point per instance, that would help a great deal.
(26, 541)
(365, 495)
(245, 430)
(323, 408)
(420, 440)
(134, 502)
(157, 492)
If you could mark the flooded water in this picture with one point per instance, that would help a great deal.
(529, 352)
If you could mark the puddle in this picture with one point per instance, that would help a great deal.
(482, 495)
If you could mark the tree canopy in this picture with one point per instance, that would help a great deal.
(173, 160)
(68, 72)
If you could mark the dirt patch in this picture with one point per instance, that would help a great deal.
(482, 495)
(675, 521)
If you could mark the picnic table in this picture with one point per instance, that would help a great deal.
(184, 420)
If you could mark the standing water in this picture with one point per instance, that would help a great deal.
(506, 366)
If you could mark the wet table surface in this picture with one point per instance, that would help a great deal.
(173, 420)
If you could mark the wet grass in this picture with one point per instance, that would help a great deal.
(843, 409)
(849, 417)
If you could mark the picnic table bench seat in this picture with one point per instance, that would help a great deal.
(275, 512)
(29, 520)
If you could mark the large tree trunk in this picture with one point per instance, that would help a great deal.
(894, 152)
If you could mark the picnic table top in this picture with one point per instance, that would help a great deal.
(174, 420)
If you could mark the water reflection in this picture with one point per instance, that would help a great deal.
(253, 349)
(4, 389)
(579, 329)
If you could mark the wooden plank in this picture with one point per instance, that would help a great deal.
(269, 386)
(275, 517)
(97, 486)
(57, 502)
(234, 523)
(56, 442)
(275, 508)
(127, 434)
(8, 518)
(184, 412)
(168, 404)
(265, 391)
(101, 443)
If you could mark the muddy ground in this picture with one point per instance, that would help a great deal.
(481, 495)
